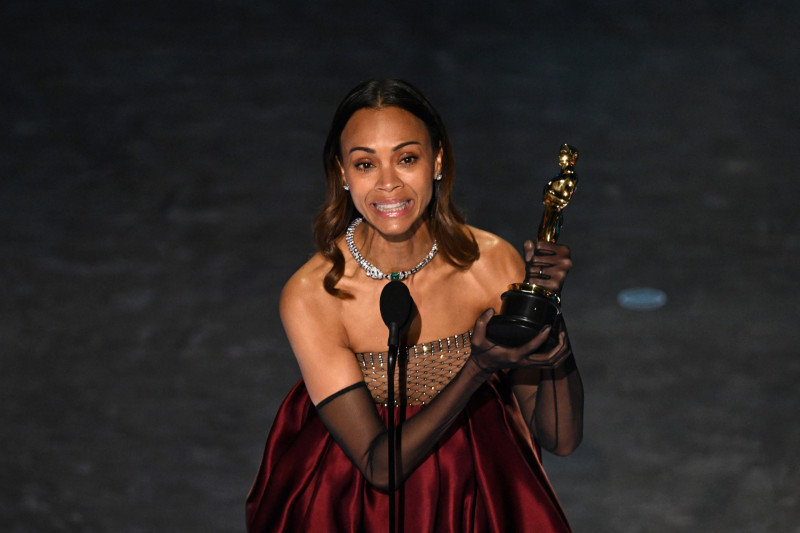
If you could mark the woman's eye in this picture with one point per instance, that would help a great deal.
(363, 166)
(409, 160)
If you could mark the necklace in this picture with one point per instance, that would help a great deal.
(375, 272)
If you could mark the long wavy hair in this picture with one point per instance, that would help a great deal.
(456, 244)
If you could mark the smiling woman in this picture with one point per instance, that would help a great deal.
(389, 165)
(445, 221)
(472, 414)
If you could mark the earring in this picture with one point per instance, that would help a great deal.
(346, 187)
(438, 177)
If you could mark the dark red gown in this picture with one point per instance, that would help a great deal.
(484, 475)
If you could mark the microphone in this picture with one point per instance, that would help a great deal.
(396, 310)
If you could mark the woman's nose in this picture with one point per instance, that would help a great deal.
(389, 181)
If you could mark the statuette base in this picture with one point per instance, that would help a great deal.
(523, 315)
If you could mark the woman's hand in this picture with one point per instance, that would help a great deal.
(546, 264)
(491, 357)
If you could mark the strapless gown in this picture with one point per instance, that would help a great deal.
(484, 475)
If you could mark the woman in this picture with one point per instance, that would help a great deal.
(472, 415)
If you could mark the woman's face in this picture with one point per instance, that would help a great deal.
(388, 162)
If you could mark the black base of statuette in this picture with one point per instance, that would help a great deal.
(522, 316)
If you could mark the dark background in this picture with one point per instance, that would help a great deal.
(161, 163)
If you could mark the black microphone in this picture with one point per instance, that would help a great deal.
(396, 307)
(396, 312)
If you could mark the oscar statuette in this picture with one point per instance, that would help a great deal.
(528, 307)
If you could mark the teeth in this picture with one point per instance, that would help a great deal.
(390, 207)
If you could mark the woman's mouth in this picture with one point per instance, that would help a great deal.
(392, 208)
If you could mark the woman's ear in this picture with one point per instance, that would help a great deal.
(437, 165)
(341, 173)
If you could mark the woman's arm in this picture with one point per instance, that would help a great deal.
(551, 401)
(559, 411)
(335, 384)
(352, 419)
(551, 397)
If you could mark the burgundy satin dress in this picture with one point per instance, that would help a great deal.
(484, 475)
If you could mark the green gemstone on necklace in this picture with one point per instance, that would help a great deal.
(394, 275)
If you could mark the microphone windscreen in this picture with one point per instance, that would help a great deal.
(396, 305)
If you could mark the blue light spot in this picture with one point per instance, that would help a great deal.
(641, 298)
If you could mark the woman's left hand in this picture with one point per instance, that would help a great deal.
(546, 264)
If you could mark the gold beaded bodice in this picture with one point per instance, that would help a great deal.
(423, 370)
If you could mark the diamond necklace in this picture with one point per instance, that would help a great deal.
(375, 272)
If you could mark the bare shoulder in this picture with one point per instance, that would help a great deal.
(499, 265)
(313, 270)
(312, 319)
(304, 290)
(498, 256)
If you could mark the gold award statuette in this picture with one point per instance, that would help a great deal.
(528, 307)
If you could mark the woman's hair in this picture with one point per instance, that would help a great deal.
(457, 245)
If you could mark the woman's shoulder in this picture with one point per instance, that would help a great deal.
(498, 265)
(305, 287)
(494, 250)
(313, 318)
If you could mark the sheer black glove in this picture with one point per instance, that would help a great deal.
(491, 357)
(551, 399)
(352, 419)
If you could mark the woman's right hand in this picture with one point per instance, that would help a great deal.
(491, 357)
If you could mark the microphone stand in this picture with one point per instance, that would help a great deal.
(394, 348)
(396, 312)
